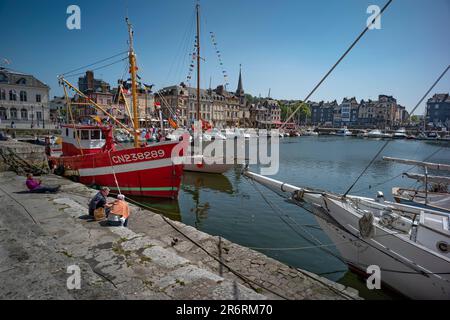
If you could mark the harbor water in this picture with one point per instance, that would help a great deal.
(235, 208)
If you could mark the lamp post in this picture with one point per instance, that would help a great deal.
(43, 117)
(32, 116)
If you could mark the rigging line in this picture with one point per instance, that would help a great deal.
(399, 175)
(178, 64)
(98, 68)
(189, 27)
(337, 63)
(363, 241)
(290, 226)
(367, 167)
(426, 94)
(114, 172)
(386, 253)
(92, 64)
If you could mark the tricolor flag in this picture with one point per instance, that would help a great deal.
(173, 123)
(97, 119)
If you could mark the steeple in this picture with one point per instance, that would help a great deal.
(240, 89)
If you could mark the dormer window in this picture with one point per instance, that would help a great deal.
(3, 77)
(22, 81)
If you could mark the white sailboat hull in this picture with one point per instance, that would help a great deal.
(397, 267)
(203, 167)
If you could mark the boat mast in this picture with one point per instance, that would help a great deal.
(132, 58)
(198, 61)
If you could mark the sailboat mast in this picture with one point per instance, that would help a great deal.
(132, 59)
(198, 60)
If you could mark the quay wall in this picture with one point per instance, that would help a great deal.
(33, 155)
(41, 235)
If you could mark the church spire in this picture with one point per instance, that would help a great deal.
(240, 88)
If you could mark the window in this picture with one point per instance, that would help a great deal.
(436, 106)
(12, 95)
(23, 96)
(95, 134)
(2, 113)
(67, 132)
(38, 98)
(38, 115)
(24, 114)
(2, 94)
(84, 134)
(13, 113)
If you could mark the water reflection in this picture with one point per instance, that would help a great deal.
(167, 207)
(194, 185)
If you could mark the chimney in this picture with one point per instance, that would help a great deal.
(90, 80)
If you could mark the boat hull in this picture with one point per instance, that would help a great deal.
(147, 171)
(204, 167)
(379, 251)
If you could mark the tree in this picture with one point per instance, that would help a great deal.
(415, 119)
(304, 112)
(286, 111)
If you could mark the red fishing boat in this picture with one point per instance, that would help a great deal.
(89, 154)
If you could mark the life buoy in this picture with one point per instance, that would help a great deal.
(200, 165)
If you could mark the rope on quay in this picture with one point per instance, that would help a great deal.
(26, 210)
(236, 273)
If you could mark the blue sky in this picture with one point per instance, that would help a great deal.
(284, 45)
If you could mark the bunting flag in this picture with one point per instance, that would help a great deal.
(148, 87)
(219, 57)
(192, 63)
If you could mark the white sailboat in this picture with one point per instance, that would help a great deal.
(198, 163)
(425, 198)
(410, 245)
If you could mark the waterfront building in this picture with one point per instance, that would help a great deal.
(438, 110)
(57, 108)
(218, 106)
(387, 105)
(385, 112)
(88, 83)
(267, 114)
(101, 93)
(23, 98)
(368, 115)
(322, 112)
(348, 110)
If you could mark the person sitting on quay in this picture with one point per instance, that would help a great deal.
(120, 212)
(99, 201)
(35, 185)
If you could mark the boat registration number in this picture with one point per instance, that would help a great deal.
(140, 156)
